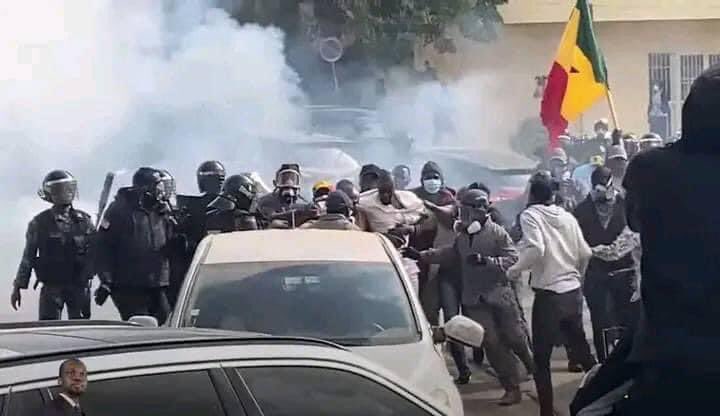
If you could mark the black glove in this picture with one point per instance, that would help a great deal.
(412, 253)
(617, 135)
(101, 294)
(477, 259)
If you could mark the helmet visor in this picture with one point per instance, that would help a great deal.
(61, 191)
(288, 179)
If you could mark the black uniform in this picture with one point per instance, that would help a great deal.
(58, 248)
(135, 243)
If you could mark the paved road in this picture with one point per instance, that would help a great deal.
(481, 395)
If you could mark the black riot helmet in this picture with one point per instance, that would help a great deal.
(149, 182)
(59, 188)
(210, 177)
(239, 192)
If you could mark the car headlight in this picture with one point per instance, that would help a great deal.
(441, 396)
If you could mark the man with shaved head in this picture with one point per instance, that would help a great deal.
(72, 379)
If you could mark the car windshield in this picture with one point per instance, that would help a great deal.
(350, 303)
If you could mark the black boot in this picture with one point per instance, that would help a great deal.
(463, 378)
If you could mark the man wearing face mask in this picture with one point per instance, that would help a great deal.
(485, 252)
(58, 243)
(135, 241)
(434, 192)
(234, 208)
(608, 286)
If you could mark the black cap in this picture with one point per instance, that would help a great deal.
(338, 202)
(475, 198)
(542, 187)
(371, 169)
(600, 176)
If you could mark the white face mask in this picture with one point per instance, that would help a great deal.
(432, 186)
(474, 227)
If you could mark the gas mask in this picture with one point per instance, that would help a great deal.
(473, 218)
(604, 193)
(432, 185)
(289, 195)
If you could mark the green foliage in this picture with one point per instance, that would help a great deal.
(389, 28)
(386, 29)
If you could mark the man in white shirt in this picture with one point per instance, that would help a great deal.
(554, 250)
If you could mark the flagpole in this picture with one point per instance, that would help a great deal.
(613, 113)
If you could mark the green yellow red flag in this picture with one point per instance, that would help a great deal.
(578, 77)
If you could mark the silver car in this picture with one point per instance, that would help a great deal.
(171, 372)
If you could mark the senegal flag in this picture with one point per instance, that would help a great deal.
(578, 77)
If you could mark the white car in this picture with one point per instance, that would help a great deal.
(346, 287)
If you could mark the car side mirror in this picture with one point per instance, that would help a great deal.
(464, 330)
(144, 321)
(438, 335)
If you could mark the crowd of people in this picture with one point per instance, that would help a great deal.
(579, 238)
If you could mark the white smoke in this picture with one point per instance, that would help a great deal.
(100, 85)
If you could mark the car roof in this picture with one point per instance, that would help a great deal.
(29, 342)
(295, 245)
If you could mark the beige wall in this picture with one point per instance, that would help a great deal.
(526, 51)
(553, 11)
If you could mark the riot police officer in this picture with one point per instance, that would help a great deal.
(193, 209)
(135, 240)
(284, 208)
(58, 246)
(234, 208)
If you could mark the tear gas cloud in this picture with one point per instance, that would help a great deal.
(93, 86)
(101, 85)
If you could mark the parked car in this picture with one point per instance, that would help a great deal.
(170, 372)
(349, 288)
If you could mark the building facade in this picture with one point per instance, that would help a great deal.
(654, 50)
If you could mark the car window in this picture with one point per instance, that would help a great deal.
(25, 403)
(171, 394)
(306, 391)
(351, 303)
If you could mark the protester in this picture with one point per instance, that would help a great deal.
(485, 252)
(401, 176)
(436, 194)
(670, 201)
(385, 209)
(581, 175)
(608, 286)
(617, 161)
(347, 186)
(73, 384)
(337, 216)
(553, 248)
(369, 176)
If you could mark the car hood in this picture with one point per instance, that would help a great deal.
(421, 365)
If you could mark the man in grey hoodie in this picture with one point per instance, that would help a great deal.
(553, 248)
(485, 251)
